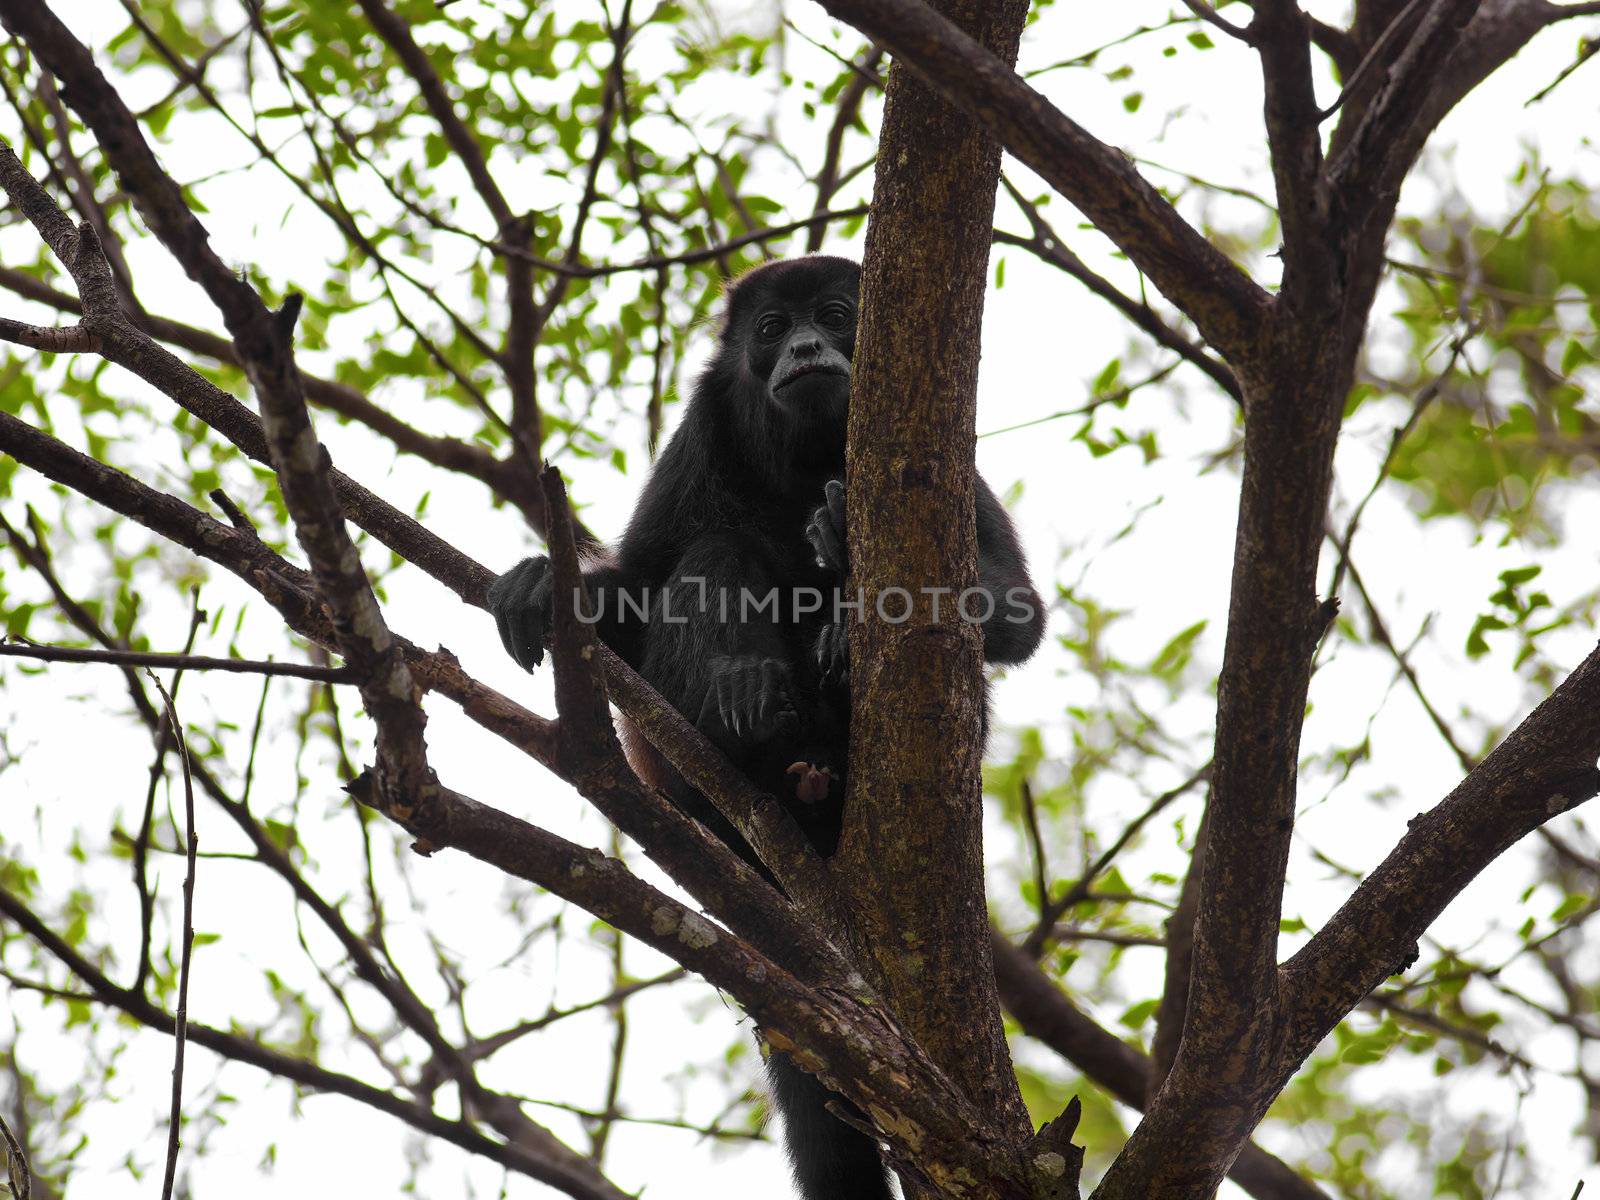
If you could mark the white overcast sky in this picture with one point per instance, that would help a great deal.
(1044, 340)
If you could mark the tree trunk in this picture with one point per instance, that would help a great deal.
(912, 857)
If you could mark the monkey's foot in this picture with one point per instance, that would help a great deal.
(811, 782)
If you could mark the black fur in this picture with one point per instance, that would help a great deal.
(746, 495)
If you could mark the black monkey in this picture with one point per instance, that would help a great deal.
(721, 594)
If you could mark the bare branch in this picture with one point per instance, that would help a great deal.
(1210, 16)
(1045, 1012)
(1281, 33)
(1055, 909)
(70, 339)
(180, 1020)
(570, 1174)
(1545, 767)
(1047, 245)
(1227, 306)
(194, 662)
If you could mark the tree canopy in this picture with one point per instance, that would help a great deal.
(1288, 321)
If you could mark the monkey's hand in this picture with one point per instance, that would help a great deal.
(833, 655)
(825, 531)
(750, 699)
(521, 601)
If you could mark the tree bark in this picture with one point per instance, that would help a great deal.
(912, 849)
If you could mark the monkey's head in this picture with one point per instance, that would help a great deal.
(790, 329)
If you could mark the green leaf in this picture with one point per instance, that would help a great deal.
(1137, 1014)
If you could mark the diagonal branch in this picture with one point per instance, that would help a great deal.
(716, 877)
(568, 1173)
(1046, 1013)
(1222, 301)
(506, 479)
(1048, 247)
(1545, 767)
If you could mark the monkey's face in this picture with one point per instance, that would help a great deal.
(804, 352)
(797, 322)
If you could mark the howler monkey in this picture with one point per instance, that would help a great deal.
(721, 595)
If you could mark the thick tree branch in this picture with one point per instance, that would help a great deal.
(1545, 767)
(70, 339)
(1366, 167)
(1045, 1012)
(1226, 305)
(854, 1047)
(913, 802)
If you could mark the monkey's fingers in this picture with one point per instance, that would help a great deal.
(527, 635)
(745, 685)
(827, 541)
(775, 712)
(833, 654)
(521, 610)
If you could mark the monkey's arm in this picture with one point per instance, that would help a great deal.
(1015, 625)
(522, 602)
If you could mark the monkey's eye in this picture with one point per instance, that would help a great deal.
(835, 316)
(771, 325)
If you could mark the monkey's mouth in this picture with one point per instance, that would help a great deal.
(811, 369)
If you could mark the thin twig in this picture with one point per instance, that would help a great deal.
(1053, 912)
(1041, 876)
(1424, 398)
(1586, 50)
(188, 662)
(181, 1015)
(21, 1178)
(1364, 67)
(1209, 15)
